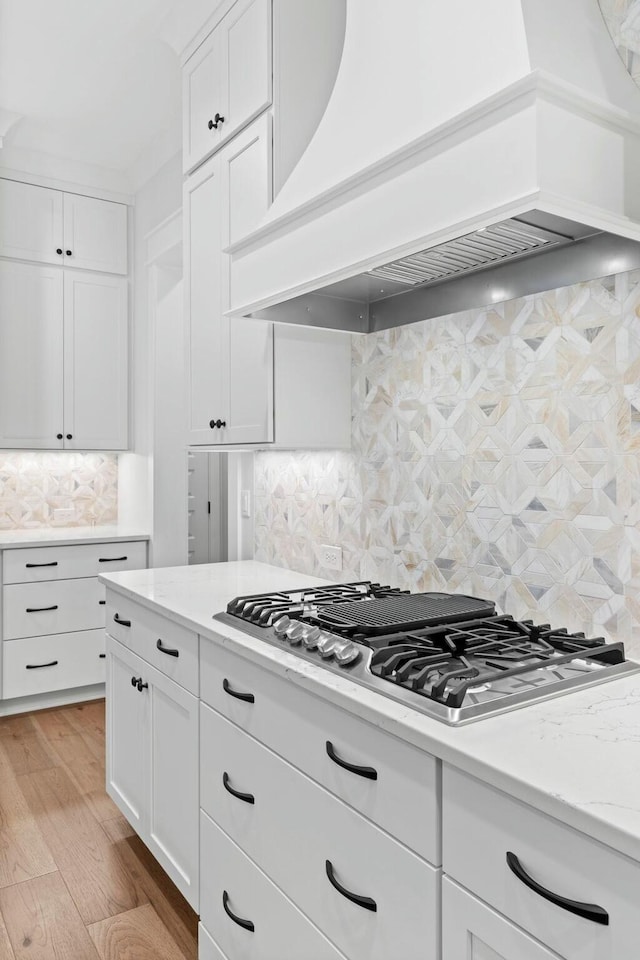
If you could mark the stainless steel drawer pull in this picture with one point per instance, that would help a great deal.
(41, 609)
(366, 902)
(31, 566)
(245, 924)
(369, 773)
(38, 666)
(112, 559)
(168, 650)
(590, 911)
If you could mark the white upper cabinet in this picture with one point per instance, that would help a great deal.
(230, 363)
(63, 359)
(49, 226)
(96, 351)
(31, 368)
(95, 234)
(30, 222)
(227, 82)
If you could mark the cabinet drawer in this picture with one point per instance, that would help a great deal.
(36, 609)
(294, 828)
(280, 931)
(473, 931)
(166, 645)
(298, 726)
(481, 825)
(28, 564)
(42, 664)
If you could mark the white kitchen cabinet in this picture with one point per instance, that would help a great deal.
(53, 614)
(96, 361)
(95, 234)
(31, 222)
(49, 226)
(557, 867)
(63, 359)
(152, 761)
(227, 82)
(251, 918)
(473, 931)
(230, 364)
(31, 356)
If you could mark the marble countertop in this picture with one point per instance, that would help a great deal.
(575, 757)
(46, 536)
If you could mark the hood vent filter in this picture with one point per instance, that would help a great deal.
(499, 242)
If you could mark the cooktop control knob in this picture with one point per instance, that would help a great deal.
(310, 637)
(295, 632)
(327, 644)
(281, 626)
(346, 653)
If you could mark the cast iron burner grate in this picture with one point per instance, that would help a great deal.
(264, 608)
(478, 661)
(402, 612)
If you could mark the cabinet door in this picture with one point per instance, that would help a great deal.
(96, 353)
(201, 100)
(245, 57)
(95, 234)
(31, 329)
(174, 794)
(245, 169)
(128, 726)
(473, 931)
(30, 222)
(203, 304)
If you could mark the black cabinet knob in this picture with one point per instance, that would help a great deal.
(58, 436)
(217, 423)
(59, 251)
(211, 124)
(68, 252)
(69, 436)
(142, 686)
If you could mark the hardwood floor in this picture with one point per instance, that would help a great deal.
(76, 883)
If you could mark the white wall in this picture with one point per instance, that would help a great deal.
(157, 200)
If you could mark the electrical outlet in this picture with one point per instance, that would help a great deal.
(331, 557)
(64, 513)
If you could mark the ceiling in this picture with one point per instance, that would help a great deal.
(88, 80)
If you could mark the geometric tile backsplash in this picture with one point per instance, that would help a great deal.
(34, 484)
(495, 451)
(623, 20)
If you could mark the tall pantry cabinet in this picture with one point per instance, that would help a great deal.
(250, 382)
(64, 327)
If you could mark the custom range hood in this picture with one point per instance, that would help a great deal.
(472, 151)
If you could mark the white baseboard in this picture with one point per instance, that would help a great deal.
(57, 699)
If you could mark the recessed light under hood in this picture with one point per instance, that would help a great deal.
(456, 173)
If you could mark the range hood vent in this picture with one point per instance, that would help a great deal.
(470, 153)
(500, 242)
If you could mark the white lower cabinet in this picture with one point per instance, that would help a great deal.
(371, 896)
(473, 931)
(152, 762)
(251, 918)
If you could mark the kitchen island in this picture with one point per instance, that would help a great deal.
(555, 784)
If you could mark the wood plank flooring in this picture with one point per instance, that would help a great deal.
(76, 883)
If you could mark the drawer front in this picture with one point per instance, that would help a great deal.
(280, 931)
(30, 564)
(473, 931)
(207, 949)
(295, 826)
(43, 664)
(297, 725)
(37, 609)
(166, 645)
(481, 825)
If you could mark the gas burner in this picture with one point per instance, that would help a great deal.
(450, 656)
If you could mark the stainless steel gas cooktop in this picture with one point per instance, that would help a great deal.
(447, 655)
